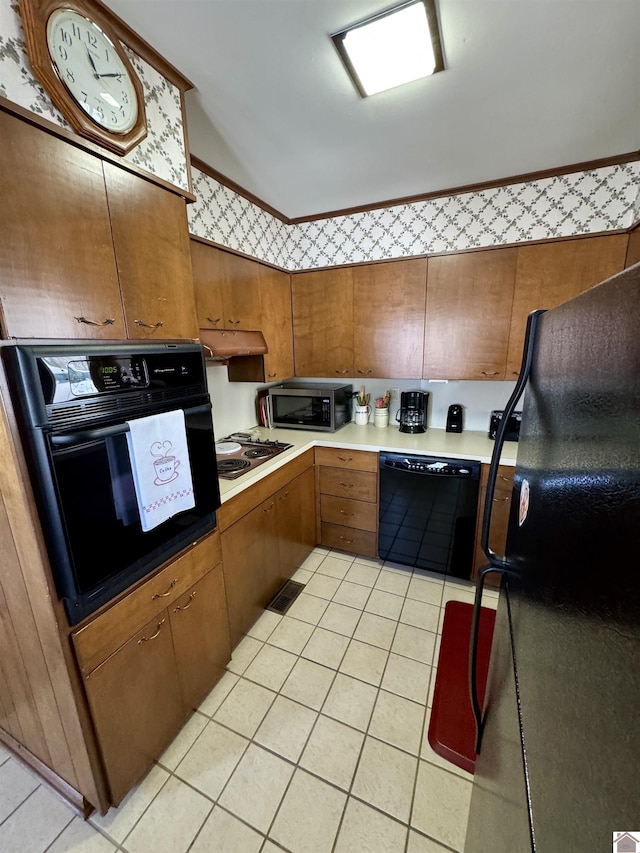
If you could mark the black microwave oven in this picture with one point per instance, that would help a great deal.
(310, 405)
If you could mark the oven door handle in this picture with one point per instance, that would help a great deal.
(70, 439)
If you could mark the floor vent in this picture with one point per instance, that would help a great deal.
(285, 597)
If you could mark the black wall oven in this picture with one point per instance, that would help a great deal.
(73, 403)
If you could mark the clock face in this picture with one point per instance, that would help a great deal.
(90, 67)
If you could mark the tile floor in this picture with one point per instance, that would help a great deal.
(313, 741)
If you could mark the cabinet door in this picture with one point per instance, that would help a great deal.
(56, 253)
(388, 316)
(323, 322)
(136, 705)
(633, 249)
(200, 632)
(296, 526)
(151, 240)
(275, 291)
(500, 510)
(207, 284)
(240, 292)
(551, 273)
(247, 583)
(469, 300)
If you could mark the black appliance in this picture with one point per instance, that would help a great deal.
(560, 718)
(413, 411)
(428, 510)
(72, 403)
(512, 430)
(310, 405)
(239, 453)
(454, 418)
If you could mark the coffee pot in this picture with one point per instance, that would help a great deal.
(413, 411)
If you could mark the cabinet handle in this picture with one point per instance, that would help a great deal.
(187, 605)
(347, 485)
(157, 325)
(344, 512)
(153, 636)
(506, 479)
(501, 500)
(268, 509)
(345, 458)
(285, 496)
(348, 541)
(272, 375)
(168, 592)
(342, 372)
(365, 372)
(211, 320)
(233, 322)
(108, 322)
(489, 372)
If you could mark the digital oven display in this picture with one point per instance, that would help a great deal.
(100, 374)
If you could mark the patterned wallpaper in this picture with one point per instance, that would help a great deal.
(587, 202)
(162, 153)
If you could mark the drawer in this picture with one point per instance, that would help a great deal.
(349, 539)
(349, 513)
(357, 485)
(112, 628)
(357, 460)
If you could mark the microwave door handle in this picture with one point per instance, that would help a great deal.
(73, 438)
(527, 358)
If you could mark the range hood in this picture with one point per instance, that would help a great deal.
(221, 344)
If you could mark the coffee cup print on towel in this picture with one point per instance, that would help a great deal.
(165, 464)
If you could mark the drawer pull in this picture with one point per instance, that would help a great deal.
(233, 322)
(153, 636)
(268, 509)
(108, 322)
(157, 325)
(342, 372)
(187, 605)
(347, 485)
(213, 320)
(348, 541)
(506, 479)
(272, 375)
(168, 592)
(489, 372)
(365, 372)
(284, 497)
(345, 458)
(344, 512)
(501, 500)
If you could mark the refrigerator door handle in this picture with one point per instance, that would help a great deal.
(527, 359)
(473, 653)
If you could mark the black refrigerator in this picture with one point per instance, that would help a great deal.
(559, 757)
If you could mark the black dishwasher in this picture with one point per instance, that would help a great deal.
(428, 510)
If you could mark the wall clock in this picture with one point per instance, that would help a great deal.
(77, 57)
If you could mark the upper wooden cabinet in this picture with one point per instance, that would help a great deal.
(468, 314)
(275, 290)
(323, 322)
(151, 241)
(549, 274)
(227, 289)
(58, 275)
(388, 318)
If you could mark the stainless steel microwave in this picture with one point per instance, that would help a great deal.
(310, 405)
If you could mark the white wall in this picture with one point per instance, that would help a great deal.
(234, 403)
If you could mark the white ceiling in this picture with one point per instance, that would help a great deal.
(529, 85)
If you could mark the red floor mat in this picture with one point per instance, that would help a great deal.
(452, 730)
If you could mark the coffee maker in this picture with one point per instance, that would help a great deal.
(413, 411)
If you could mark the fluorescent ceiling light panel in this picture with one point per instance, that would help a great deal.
(392, 48)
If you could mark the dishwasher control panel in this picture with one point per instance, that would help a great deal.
(431, 466)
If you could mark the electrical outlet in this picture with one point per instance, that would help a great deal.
(395, 393)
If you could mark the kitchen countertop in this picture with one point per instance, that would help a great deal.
(433, 442)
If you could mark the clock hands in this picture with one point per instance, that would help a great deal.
(95, 70)
(118, 75)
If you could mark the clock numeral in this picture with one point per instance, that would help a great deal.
(70, 77)
(75, 29)
(100, 113)
(93, 41)
(66, 38)
(85, 97)
(63, 52)
(114, 118)
(125, 97)
(107, 55)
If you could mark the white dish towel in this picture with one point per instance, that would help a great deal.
(160, 466)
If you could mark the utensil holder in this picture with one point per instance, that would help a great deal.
(361, 415)
(381, 417)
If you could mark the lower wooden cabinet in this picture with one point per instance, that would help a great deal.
(348, 500)
(140, 691)
(501, 508)
(264, 547)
